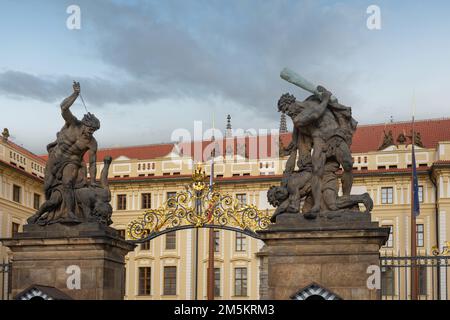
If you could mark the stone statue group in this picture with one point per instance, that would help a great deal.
(70, 196)
(318, 154)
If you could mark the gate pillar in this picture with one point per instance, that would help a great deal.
(333, 251)
(85, 261)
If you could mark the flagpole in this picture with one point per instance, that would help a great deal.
(414, 273)
(210, 278)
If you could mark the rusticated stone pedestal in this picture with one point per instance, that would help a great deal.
(332, 251)
(42, 255)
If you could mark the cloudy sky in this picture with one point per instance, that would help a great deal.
(149, 67)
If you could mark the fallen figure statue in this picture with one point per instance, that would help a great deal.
(296, 186)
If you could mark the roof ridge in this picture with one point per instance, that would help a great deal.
(138, 146)
(403, 122)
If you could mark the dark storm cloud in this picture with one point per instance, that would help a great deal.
(233, 49)
(22, 85)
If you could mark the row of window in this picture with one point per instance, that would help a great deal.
(240, 242)
(387, 195)
(170, 281)
(358, 159)
(37, 167)
(17, 197)
(17, 157)
(146, 166)
(267, 165)
(419, 236)
(146, 200)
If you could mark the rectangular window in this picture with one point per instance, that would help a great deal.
(171, 195)
(145, 281)
(171, 241)
(14, 229)
(419, 235)
(390, 242)
(121, 202)
(146, 201)
(240, 282)
(387, 195)
(241, 242)
(422, 280)
(216, 241)
(36, 201)
(387, 281)
(170, 281)
(121, 233)
(217, 282)
(420, 193)
(145, 246)
(16, 193)
(242, 199)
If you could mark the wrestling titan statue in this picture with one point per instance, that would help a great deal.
(321, 140)
(66, 185)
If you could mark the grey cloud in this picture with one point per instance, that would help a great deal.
(51, 89)
(207, 48)
(235, 50)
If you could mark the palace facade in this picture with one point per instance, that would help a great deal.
(168, 267)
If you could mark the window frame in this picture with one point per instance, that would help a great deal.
(17, 191)
(385, 197)
(121, 205)
(240, 242)
(216, 240)
(36, 200)
(15, 227)
(170, 283)
(217, 280)
(420, 193)
(146, 289)
(146, 200)
(385, 279)
(420, 235)
(242, 199)
(241, 282)
(390, 241)
(172, 242)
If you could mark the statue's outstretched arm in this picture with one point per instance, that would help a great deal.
(68, 102)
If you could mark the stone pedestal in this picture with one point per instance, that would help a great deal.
(332, 252)
(43, 255)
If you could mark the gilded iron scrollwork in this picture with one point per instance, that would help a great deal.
(196, 207)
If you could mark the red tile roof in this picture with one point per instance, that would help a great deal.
(370, 137)
(136, 152)
(367, 138)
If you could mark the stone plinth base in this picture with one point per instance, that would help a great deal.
(42, 256)
(332, 251)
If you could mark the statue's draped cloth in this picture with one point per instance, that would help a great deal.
(53, 183)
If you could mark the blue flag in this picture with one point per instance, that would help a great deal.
(415, 185)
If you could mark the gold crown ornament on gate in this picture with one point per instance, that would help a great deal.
(199, 178)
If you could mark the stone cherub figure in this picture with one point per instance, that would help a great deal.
(65, 171)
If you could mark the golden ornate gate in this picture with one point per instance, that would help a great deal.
(199, 206)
